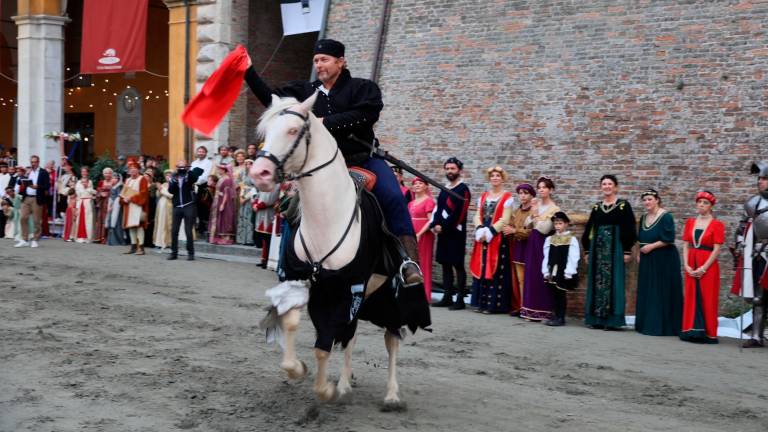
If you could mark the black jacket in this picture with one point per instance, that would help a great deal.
(43, 185)
(185, 195)
(352, 106)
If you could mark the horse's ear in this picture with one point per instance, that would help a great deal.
(275, 99)
(308, 103)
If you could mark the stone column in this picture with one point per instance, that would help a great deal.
(41, 85)
(214, 37)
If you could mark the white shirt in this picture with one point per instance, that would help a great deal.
(4, 179)
(206, 165)
(574, 253)
(32, 175)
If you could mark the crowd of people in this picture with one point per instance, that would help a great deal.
(525, 260)
(137, 204)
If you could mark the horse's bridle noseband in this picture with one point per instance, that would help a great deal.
(280, 174)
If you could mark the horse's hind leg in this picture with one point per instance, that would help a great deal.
(295, 368)
(325, 391)
(392, 400)
(344, 386)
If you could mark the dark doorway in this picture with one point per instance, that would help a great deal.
(81, 152)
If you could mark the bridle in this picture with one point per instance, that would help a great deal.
(280, 174)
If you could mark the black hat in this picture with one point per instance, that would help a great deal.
(455, 161)
(562, 216)
(329, 47)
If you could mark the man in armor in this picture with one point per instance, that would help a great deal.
(752, 247)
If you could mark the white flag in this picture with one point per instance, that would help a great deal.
(302, 16)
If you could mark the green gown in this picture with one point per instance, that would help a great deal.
(609, 234)
(659, 285)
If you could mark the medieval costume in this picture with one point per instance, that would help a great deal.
(116, 235)
(519, 241)
(70, 217)
(149, 229)
(12, 213)
(702, 295)
(421, 215)
(62, 187)
(221, 226)
(349, 110)
(489, 265)
(751, 282)
(451, 215)
(264, 206)
(135, 203)
(85, 212)
(538, 302)
(559, 268)
(245, 215)
(609, 235)
(102, 211)
(163, 216)
(659, 286)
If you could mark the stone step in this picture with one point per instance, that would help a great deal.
(232, 253)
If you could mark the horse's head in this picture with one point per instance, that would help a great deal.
(285, 127)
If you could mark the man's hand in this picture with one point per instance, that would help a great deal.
(437, 229)
(627, 258)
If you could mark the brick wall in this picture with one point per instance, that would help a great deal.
(665, 94)
(292, 61)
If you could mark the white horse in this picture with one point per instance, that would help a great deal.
(328, 239)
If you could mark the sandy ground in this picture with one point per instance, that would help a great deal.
(91, 340)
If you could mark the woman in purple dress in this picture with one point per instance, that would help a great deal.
(222, 227)
(538, 299)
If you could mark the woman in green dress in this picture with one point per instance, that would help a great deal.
(608, 239)
(659, 286)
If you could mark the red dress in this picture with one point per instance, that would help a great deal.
(701, 296)
(421, 214)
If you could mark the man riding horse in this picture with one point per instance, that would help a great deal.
(348, 108)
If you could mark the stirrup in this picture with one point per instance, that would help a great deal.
(401, 271)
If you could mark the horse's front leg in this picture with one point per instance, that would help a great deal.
(344, 386)
(295, 368)
(392, 400)
(325, 391)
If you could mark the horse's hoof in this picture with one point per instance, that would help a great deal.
(296, 373)
(328, 393)
(342, 388)
(394, 405)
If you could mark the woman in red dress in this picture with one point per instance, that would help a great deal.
(421, 208)
(703, 236)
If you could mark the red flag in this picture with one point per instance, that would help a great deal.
(114, 36)
(205, 111)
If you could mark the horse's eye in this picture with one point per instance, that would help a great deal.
(293, 131)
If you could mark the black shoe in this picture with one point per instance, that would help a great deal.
(446, 301)
(459, 305)
(753, 343)
(555, 322)
(172, 257)
(263, 264)
(191, 257)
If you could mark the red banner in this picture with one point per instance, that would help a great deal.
(114, 36)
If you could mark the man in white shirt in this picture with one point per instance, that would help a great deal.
(204, 163)
(203, 210)
(33, 189)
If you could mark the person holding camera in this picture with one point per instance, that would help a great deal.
(33, 188)
(182, 186)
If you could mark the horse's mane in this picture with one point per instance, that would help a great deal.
(273, 111)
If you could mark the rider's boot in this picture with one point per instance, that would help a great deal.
(411, 271)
